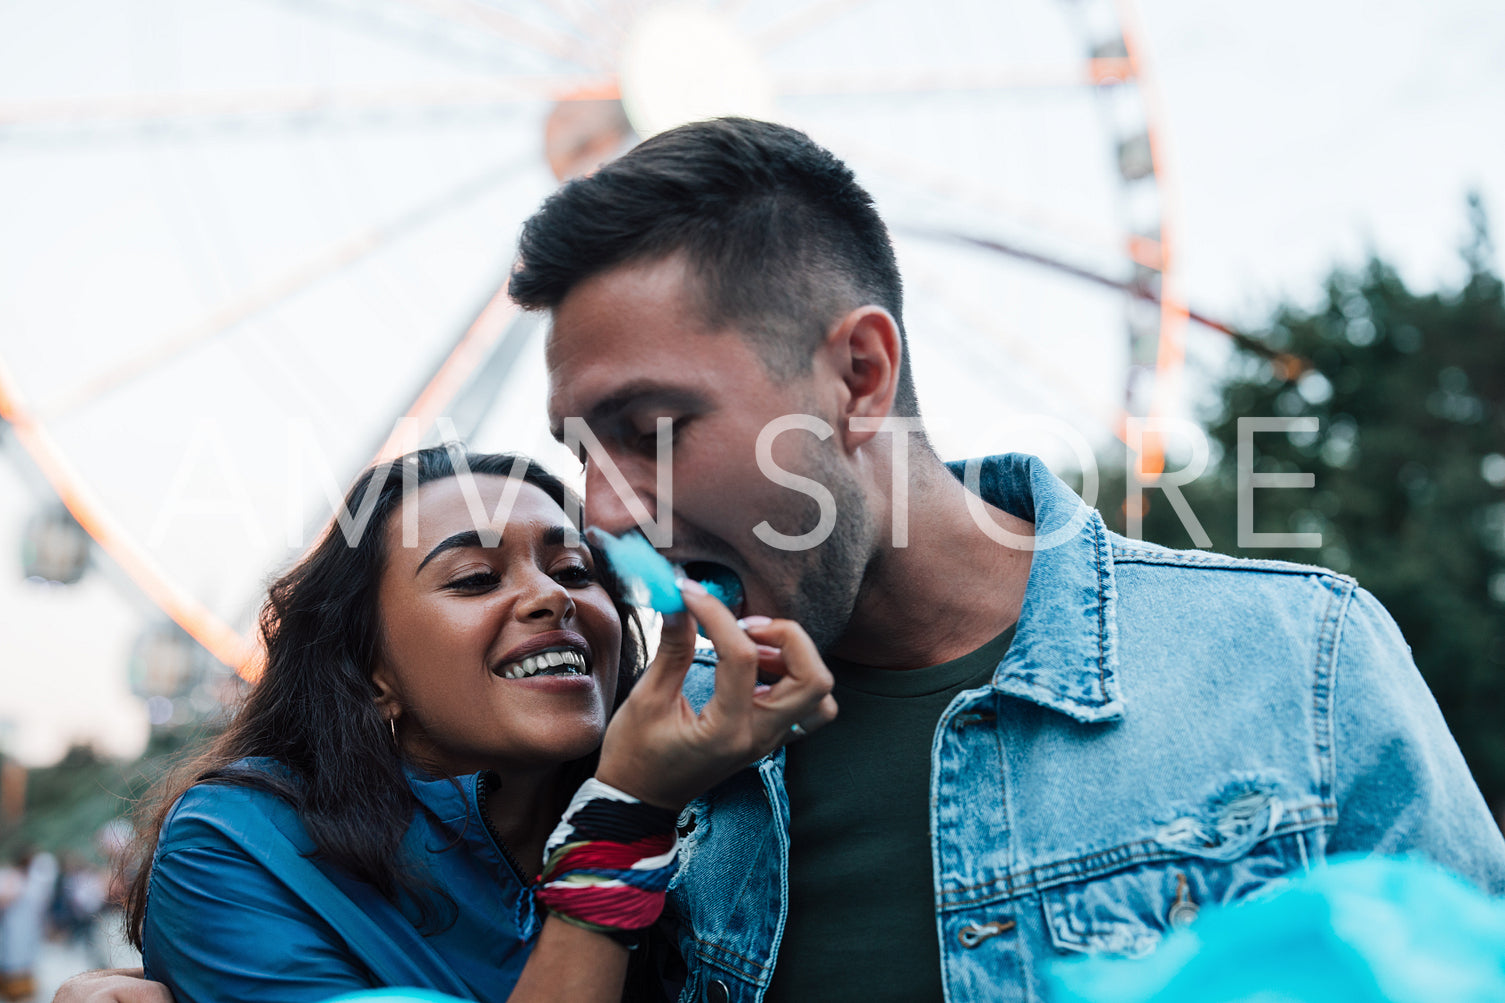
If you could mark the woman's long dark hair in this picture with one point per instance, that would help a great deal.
(314, 707)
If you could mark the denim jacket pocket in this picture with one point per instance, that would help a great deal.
(691, 828)
(1180, 872)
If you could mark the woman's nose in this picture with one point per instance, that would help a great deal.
(543, 598)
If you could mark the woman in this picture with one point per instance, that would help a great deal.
(433, 695)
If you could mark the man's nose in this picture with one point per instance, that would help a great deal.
(605, 504)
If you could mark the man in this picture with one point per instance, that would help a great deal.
(1052, 740)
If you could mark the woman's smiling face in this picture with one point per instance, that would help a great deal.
(502, 657)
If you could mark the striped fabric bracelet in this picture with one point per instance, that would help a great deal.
(608, 864)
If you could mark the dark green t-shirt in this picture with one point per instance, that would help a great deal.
(861, 893)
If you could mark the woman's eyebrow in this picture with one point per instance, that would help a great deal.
(469, 538)
(560, 536)
(554, 536)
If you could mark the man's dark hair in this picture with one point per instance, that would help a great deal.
(779, 233)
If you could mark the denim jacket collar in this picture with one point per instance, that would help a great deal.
(1064, 654)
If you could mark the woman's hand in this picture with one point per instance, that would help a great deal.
(660, 751)
(114, 985)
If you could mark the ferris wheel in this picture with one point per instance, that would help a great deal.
(254, 244)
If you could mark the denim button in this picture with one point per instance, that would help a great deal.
(1183, 910)
(717, 992)
(1182, 914)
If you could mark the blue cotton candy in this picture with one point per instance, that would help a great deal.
(721, 583)
(647, 572)
(719, 590)
(1361, 930)
(395, 996)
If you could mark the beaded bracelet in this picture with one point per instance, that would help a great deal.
(608, 864)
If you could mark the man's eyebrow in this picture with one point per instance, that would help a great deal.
(640, 393)
(459, 541)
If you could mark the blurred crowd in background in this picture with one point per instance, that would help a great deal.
(59, 913)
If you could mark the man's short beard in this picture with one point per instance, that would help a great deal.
(826, 592)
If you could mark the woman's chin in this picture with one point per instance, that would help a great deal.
(567, 742)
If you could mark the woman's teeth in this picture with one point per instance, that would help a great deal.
(546, 663)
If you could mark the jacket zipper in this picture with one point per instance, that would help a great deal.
(480, 802)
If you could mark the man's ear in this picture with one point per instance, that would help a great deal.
(864, 349)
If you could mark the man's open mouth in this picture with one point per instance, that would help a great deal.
(720, 581)
(553, 662)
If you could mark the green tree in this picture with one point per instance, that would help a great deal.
(1409, 464)
(67, 803)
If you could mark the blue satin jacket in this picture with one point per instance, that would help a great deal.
(239, 912)
(1168, 730)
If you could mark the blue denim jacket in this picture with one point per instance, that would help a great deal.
(1169, 730)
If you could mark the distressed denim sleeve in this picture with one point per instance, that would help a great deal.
(1400, 783)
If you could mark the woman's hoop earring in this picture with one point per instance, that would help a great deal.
(392, 723)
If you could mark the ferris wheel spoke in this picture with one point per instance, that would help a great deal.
(799, 23)
(288, 106)
(1059, 380)
(628, 11)
(588, 20)
(953, 186)
(572, 50)
(935, 80)
(434, 39)
(88, 509)
(449, 379)
(1169, 301)
(260, 299)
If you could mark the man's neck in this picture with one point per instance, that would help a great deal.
(948, 592)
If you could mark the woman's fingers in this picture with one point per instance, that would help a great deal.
(802, 696)
(665, 675)
(803, 668)
(744, 719)
(742, 713)
(659, 749)
(736, 652)
(825, 713)
(770, 664)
